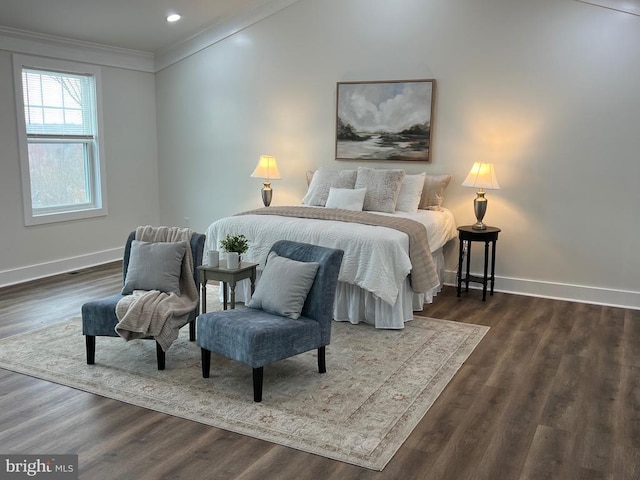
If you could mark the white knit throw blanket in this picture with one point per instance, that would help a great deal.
(154, 313)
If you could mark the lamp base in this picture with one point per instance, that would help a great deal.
(479, 208)
(479, 226)
(267, 194)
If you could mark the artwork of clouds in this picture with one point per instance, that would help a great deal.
(384, 120)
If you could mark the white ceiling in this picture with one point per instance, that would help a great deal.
(131, 24)
(141, 24)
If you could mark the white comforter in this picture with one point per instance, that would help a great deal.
(376, 258)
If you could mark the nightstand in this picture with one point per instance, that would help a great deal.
(226, 277)
(467, 234)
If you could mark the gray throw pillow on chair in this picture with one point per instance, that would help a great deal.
(284, 286)
(154, 266)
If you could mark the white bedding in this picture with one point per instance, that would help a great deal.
(376, 258)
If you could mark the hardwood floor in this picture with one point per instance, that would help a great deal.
(552, 391)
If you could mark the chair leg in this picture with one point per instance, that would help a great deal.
(322, 365)
(206, 362)
(90, 341)
(258, 373)
(192, 330)
(161, 356)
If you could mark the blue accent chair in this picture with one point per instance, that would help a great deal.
(99, 316)
(258, 338)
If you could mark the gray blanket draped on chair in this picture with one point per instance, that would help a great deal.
(154, 313)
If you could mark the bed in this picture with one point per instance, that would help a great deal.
(375, 285)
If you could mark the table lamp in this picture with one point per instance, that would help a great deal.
(268, 170)
(481, 176)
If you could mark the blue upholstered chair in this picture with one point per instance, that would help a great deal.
(99, 316)
(257, 337)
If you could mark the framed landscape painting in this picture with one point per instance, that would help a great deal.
(385, 120)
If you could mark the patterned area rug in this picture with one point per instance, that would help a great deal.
(378, 385)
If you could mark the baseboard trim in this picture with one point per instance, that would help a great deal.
(517, 286)
(56, 267)
(559, 291)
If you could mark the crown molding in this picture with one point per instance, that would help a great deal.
(632, 7)
(217, 33)
(31, 43)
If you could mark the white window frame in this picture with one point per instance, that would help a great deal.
(97, 173)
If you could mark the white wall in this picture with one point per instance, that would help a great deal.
(547, 90)
(132, 183)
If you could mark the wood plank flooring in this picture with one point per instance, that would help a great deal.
(552, 392)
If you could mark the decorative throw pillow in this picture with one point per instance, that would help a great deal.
(383, 188)
(309, 176)
(410, 193)
(322, 181)
(284, 286)
(346, 198)
(154, 266)
(433, 192)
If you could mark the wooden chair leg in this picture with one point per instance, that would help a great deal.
(90, 341)
(206, 362)
(258, 374)
(161, 356)
(322, 365)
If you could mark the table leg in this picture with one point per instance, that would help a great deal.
(460, 255)
(233, 295)
(486, 267)
(253, 282)
(203, 296)
(466, 288)
(224, 295)
(493, 265)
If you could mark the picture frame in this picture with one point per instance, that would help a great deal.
(385, 120)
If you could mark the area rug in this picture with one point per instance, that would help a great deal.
(378, 385)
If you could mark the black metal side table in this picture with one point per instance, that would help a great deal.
(467, 234)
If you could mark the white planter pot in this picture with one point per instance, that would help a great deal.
(233, 260)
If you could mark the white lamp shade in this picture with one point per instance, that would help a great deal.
(267, 168)
(483, 176)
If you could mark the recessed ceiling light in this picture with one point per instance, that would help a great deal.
(174, 17)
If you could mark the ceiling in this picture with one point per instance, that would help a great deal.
(131, 24)
(141, 24)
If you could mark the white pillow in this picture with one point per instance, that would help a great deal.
(347, 198)
(284, 286)
(410, 193)
(322, 181)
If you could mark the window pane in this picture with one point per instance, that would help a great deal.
(65, 99)
(34, 115)
(59, 174)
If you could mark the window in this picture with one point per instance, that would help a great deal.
(60, 150)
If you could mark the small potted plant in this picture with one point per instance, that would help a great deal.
(235, 246)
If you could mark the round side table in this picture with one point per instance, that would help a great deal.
(467, 234)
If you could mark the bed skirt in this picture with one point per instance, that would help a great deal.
(354, 304)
